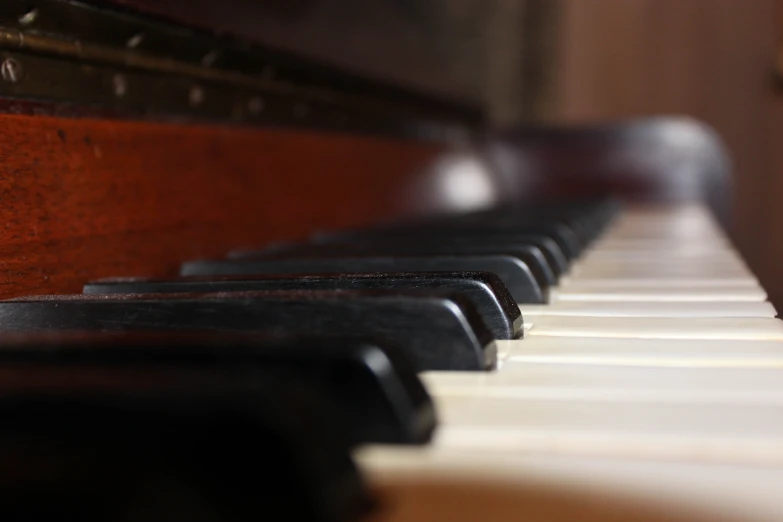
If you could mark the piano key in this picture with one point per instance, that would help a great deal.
(561, 235)
(522, 379)
(640, 290)
(672, 271)
(567, 234)
(609, 282)
(490, 486)
(422, 240)
(570, 238)
(645, 352)
(484, 290)
(668, 255)
(742, 432)
(672, 285)
(679, 255)
(437, 329)
(651, 309)
(528, 254)
(515, 274)
(739, 328)
(707, 237)
(74, 435)
(376, 387)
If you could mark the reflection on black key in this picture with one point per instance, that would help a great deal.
(98, 444)
(484, 290)
(439, 332)
(514, 273)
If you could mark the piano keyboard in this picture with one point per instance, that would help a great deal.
(651, 379)
(583, 363)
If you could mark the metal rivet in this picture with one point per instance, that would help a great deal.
(196, 95)
(210, 58)
(301, 110)
(11, 70)
(29, 17)
(134, 41)
(255, 105)
(120, 85)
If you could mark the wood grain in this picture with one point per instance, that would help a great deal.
(88, 198)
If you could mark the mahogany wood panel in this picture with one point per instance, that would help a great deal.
(88, 198)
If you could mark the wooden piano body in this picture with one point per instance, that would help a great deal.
(105, 187)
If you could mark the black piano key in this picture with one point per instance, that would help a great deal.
(527, 254)
(586, 220)
(107, 444)
(484, 290)
(514, 273)
(562, 235)
(439, 332)
(376, 387)
(571, 225)
(423, 238)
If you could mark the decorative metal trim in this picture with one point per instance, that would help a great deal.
(65, 51)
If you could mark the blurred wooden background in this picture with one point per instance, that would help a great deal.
(712, 59)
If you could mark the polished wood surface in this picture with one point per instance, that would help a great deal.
(88, 198)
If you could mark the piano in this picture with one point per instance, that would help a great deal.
(243, 280)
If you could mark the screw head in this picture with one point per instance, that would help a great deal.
(255, 105)
(29, 17)
(196, 96)
(120, 85)
(134, 41)
(11, 70)
(209, 59)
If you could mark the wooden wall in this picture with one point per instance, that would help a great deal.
(711, 59)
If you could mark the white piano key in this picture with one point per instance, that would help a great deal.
(726, 432)
(529, 485)
(684, 279)
(576, 285)
(651, 309)
(713, 271)
(658, 291)
(596, 259)
(659, 327)
(693, 385)
(646, 352)
(695, 244)
(593, 256)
